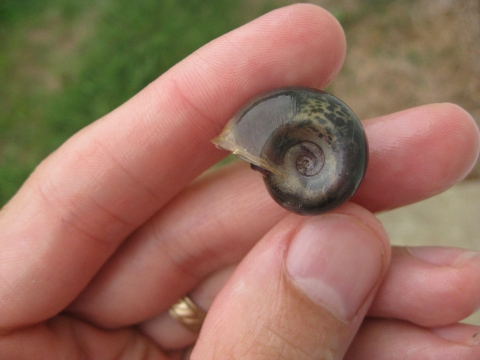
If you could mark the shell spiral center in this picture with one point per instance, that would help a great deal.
(308, 158)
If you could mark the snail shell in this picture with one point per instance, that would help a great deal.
(309, 146)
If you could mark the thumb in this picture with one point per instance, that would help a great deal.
(302, 292)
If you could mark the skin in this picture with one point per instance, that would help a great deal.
(112, 228)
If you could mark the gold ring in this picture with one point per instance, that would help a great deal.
(188, 314)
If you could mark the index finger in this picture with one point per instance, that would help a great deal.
(83, 200)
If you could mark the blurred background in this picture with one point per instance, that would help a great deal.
(65, 63)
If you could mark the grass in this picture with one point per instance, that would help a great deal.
(65, 63)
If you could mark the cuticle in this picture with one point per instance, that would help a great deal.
(459, 262)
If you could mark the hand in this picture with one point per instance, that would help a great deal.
(111, 229)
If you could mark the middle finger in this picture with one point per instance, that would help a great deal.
(200, 231)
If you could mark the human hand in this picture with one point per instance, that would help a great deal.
(108, 232)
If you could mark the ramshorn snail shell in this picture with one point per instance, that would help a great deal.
(309, 146)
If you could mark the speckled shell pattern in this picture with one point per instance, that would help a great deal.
(275, 129)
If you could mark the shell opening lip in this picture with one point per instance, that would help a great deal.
(261, 165)
(261, 170)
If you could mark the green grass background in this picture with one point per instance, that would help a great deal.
(65, 63)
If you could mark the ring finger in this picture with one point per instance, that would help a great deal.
(168, 332)
(428, 306)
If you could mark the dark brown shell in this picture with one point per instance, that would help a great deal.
(310, 147)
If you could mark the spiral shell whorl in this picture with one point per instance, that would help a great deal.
(310, 147)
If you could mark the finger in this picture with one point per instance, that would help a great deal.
(196, 234)
(66, 338)
(302, 291)
(417, 153)
(83, 200)
(181, 244)
(382, 339)
(430, 286)
(438, 291)
(441, 291)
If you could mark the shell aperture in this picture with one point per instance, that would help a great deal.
(310, 147)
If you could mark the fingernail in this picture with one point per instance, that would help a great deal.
(336, 261)
(443, 256)
(461, 333)
(475, 339)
